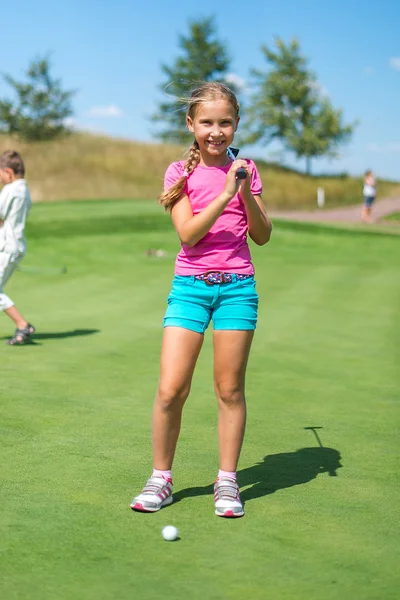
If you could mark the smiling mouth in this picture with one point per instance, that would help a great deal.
(212, 143)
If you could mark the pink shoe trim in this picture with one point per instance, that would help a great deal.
(231, 515)
(139, 506)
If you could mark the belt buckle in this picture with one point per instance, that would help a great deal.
(208, 275)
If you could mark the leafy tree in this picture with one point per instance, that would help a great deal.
(41, 105)
(288, 105)
(204, 59)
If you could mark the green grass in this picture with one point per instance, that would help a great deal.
(321, 523)
(393, 217)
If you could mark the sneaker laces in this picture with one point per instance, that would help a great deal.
(155, 485)
(226, 489)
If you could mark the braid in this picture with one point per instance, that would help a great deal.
(193, 158)
(172, 195)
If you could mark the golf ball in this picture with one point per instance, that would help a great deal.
(169, 533)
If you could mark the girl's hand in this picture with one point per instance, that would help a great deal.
(233, 184)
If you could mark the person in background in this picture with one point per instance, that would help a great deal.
(15, 203)
(369, 193)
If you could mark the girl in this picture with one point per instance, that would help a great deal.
(212, 210)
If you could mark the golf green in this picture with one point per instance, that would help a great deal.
(318, 471)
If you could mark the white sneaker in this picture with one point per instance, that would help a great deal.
(227, 498)
(156, 493)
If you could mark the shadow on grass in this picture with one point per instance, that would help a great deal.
(56, 335)
(278, 471)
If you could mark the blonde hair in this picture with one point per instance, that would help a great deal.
(205, 93)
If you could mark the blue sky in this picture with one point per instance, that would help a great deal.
(111, 53)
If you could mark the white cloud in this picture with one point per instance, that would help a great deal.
(386, 148)
(102, 112)
(235, 80)
(394, 62)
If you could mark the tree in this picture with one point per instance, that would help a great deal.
(288, 105)
(41, 106)
(204, 59)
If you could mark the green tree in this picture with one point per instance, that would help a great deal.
(288, 105)
(41, 106)
(204, 58)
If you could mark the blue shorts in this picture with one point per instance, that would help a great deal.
(368, 201)
(192, 304)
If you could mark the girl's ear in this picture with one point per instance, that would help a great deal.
(189, 124)
(237, 123)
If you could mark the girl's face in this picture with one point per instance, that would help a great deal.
(214, 125)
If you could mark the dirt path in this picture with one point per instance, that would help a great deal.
(349, 214)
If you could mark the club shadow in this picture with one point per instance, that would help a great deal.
(276, 472)
(55, 335)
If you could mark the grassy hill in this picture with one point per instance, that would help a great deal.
(87, 166)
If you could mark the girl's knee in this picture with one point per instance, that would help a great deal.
(170, 396)
(230, 395)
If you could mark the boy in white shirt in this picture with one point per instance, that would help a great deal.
(15, 203)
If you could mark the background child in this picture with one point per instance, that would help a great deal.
(15, 203)
(369, 193)
(212, 210)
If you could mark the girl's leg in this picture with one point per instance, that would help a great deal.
(180, 350)
(179, 353)
(231, 353)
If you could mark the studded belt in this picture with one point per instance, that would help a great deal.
(216, 277)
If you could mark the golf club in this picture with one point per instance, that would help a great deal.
(232, 153)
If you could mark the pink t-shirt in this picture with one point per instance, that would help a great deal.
(224, 247)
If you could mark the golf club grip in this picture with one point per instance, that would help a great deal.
(241, 173)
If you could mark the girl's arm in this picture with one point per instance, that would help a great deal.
(192, 228)
(258, 223)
